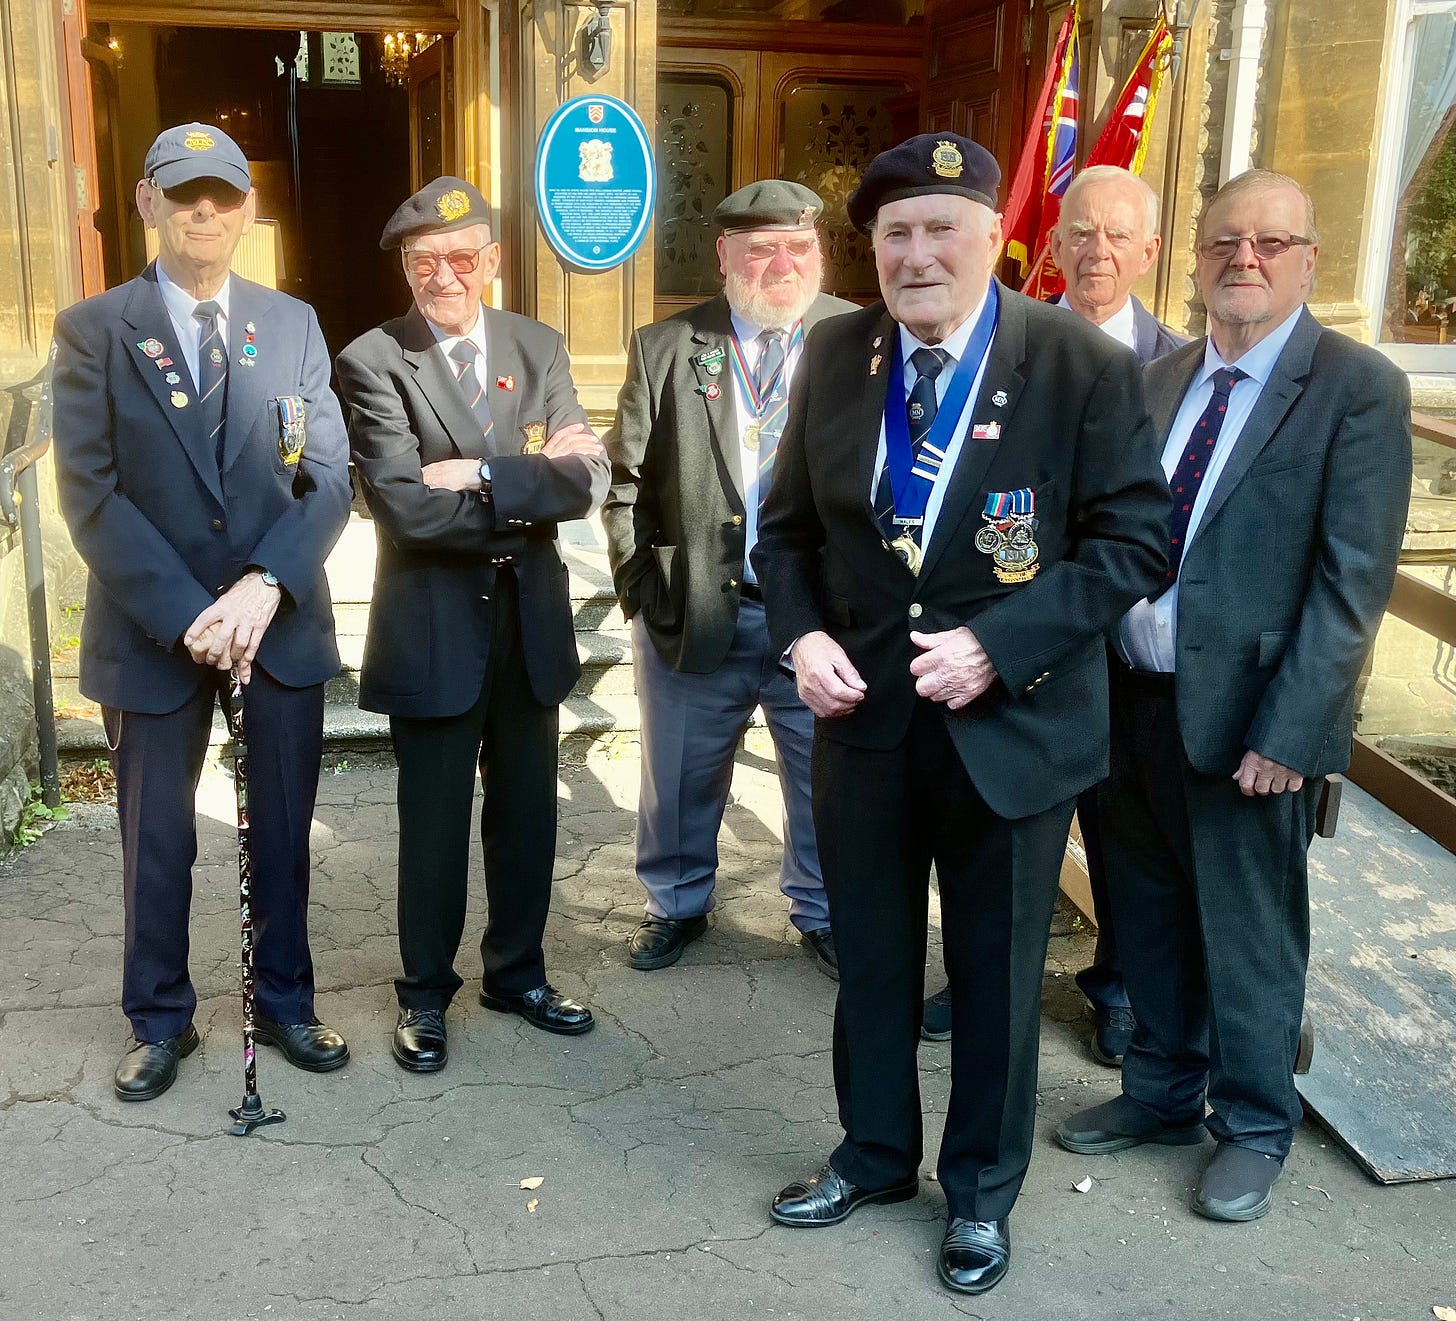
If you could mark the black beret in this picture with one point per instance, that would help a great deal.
(769, 204)
(444, 204)
(929, 163)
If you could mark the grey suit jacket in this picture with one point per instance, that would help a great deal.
(1151, 338)
(1284, 585)
(675, 516)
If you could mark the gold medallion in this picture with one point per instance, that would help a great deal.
(906, 547)
(946, 160)
(179, 400)
(453, 205)
(750, 437)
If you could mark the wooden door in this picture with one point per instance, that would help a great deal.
(432, 114)
(79, 130)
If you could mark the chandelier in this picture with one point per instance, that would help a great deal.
(399, 49)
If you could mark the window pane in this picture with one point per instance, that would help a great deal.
(694, 151)
(890, 13)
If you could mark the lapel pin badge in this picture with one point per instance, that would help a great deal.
(173, 379)
(179, 400)
(250, 328)
(151, 347)
(999, 398)
(986, 431)
(875, 364)
(163, 364)
(879, 339)
(505, 382)
(712, 391)
(250, 350)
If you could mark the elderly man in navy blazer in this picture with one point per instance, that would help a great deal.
(202, 465)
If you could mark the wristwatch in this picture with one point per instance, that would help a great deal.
(485, 476)
(269, 579)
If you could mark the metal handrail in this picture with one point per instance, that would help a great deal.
(20, 508)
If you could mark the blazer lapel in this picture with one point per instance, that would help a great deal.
(1166, 382)
(1002, 381)
(506, 367)
(248, 378)
(146, 318)
(712, 330)
(875, 387)
(421, 351)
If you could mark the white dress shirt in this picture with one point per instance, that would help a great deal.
(1147, 636)
(748, 335)
(1121, 325)
(476, 335)
(955, 345)
(180, 307)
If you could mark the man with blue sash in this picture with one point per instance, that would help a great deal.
(967, 495)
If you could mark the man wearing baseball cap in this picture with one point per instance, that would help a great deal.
(698, 424)
(966, 496)
(203, 472)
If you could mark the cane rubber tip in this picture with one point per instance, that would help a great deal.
(251, 1115)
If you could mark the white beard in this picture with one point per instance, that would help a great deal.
(749, 301)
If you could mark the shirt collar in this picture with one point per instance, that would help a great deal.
(181, 305)
(748, 333)
(1259, 361)
(476, 335)
(953, 344)
(1121, 325)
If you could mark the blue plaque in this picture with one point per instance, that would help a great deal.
(595, 182)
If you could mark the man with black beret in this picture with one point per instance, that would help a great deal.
(472, 447)
(967, 495)
(698, 425)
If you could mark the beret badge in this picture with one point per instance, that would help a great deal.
(452, 205)
(946, 160)
(198, 142)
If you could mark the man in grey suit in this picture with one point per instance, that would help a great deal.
(1288, 450)
(693, 448)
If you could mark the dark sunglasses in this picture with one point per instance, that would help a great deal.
(222, 195)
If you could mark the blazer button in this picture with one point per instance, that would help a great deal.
(916, 610)
(217, 525)
(730, 584)
(737, 520)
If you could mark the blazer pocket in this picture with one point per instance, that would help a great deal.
(664, 609)
(1272, 646)
(837, 611)
(1268, 467)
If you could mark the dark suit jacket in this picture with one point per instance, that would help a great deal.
(162, 532)
(1285, 582)
(674, 517)
(1075, 430)
(1151, 338)
(439, 551)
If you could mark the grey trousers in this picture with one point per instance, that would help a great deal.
(691, 726)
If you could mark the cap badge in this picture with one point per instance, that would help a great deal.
(806, 216)
(453, 205)
(946, 160)
(535, 434)
(199, 142)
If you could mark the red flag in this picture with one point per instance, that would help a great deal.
(1124, 141)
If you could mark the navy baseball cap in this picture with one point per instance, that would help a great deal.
(196, 151)
(929, 163)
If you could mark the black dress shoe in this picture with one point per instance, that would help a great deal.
(419, 1040)
(826, 1198)
(1112, 1036)
(1237, 1185)
(935, 1023)
(310, 1046)
(150, 1067)
(975, 1254)
(1121, 1123)
(660, 941)
(546, 1008)
(820, 944)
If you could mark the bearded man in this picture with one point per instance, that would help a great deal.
(692, 450)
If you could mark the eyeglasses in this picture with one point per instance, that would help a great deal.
(1082, 235)
(1267, 244)
(422, 265)
(767, 249)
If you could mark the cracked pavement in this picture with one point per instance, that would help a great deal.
(660, 1137)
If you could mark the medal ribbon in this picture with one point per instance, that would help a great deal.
(1001, 505)
(746, 384)
(912, 476)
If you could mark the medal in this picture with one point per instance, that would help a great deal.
(750, 437)
(1009, 536)
(908, 549)
(292, 428)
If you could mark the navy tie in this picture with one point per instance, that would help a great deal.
(1187, 477)
(920, 413)
(771, 359)
(212, 374)
(465, 355)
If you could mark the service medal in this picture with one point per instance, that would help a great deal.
(750, 437)
(291, 432)
(1009, 536)
(908, 549)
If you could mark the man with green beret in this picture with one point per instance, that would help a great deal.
(693, 448)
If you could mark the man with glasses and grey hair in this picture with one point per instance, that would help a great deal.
(472, 447)
(1288, 451)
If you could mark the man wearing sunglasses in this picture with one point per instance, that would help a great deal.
(203, 472)
(472, 447)
(698, 423)
(1288, 451)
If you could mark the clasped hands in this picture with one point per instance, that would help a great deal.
(952, 667)
(576, 438)
(229, 631)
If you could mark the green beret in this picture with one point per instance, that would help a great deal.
(769, 204)
(444, 204)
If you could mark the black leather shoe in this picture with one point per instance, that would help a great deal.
(1237, 1185)
(975, 1254)
(420, 1043)
(1121, 1123)
(660, 941)
(1112, 1036)
(310, 1046)
(935, 1023)
(820, 944)
(826, 1198)
(150, 1067)
(546, 1008)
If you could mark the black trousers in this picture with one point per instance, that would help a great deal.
(1210, 894)
(1101, 981)
(882, 819)
(158, 762)
(512, 738)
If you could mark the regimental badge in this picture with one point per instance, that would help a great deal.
(875, 364)
(535, 434)
(452, 205)
(711, 361)
(712, 391)
(179, 400)
(1009, 535)
(173, 379)
(999, 398)
(507, 383)
(946, 160)
(199, 142)
(292, 432)
(216, 356)
(151, 347)
(806, 216)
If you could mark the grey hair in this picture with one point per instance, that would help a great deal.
(1095, 174)
(1252, 179)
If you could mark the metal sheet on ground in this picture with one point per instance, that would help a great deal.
(1382, 993)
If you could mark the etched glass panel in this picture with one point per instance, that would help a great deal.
(694, 174)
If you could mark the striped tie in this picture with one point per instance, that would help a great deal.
(774, 392)
(464, 355)
(212, 374)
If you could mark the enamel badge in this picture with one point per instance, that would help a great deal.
(535, 434)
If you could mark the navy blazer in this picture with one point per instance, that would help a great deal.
(161, 530)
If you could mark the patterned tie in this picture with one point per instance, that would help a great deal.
(1193, 463)
(465, 354)
(771, 356)
(920, 411)
(212, 374)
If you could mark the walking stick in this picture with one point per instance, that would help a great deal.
(250, 1114)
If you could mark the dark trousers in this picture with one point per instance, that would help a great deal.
(158, 762)
(1211, 898)
(883, 817)
(1101, 982)
(512, 738)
